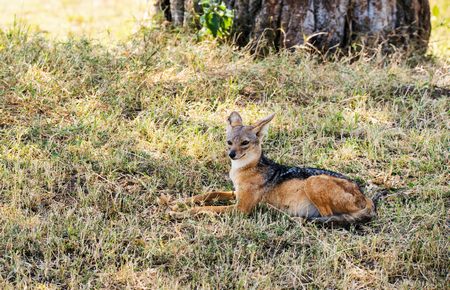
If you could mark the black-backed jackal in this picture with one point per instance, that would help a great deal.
(311, 193)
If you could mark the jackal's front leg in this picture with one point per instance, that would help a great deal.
(246, 202)
(214, 195)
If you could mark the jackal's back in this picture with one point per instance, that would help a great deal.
(275, 174)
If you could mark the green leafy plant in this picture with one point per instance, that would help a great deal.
(216, 20)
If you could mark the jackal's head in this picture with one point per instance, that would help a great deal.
(244, 142)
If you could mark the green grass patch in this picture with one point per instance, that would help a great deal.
(92, 135)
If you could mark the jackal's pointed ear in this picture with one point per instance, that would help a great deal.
(262, 126)
(234, 119)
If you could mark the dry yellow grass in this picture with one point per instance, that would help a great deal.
(91, 136)
(108, 20)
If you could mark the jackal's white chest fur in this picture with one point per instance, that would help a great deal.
(234, 178)
(237, 166)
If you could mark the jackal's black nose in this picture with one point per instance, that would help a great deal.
(232, 154)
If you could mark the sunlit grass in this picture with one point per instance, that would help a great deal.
(108, 20)
(440, 33)
(92, 135)
(105, 20)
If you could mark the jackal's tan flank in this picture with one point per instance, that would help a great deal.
(311, 193)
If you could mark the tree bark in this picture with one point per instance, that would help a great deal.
(326, 24)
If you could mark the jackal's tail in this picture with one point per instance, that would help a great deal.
(362, 216)
(380, 194)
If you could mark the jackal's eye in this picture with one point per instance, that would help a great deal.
(229, 143)
(245, 143)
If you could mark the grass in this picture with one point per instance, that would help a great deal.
(106, 20)
(109, 21)
(440, 34)
(92, 135)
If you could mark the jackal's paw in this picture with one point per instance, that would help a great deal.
(177, 205)
(164, 200)
(170, 202)
(202, 212)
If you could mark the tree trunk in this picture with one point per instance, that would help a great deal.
(326, 24)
